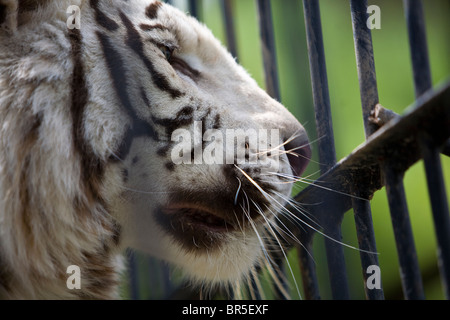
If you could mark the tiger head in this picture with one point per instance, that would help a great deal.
(132, 127)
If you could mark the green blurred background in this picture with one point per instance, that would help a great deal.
(396, 92)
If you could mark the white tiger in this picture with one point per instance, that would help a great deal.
(86, 123)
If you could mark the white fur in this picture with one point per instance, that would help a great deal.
(35, 77)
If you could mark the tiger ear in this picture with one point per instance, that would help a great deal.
(8, 16)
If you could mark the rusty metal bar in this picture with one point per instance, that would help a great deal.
(436, 187)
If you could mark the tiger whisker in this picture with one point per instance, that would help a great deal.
(300, 179)
(265, 194)
(269, 225)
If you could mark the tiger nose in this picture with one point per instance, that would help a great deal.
(298, 151)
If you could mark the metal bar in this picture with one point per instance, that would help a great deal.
(365, 62)
(319, 81)
(322, 110)
(409, 265)
(437, 193)
(271, 78)
(133, 270)
(433, 168)
(418, 44)
(227, 11)
(369, 99)
(327, 154)
(336, 262)
(366, 242)
(194, 8)
(396, 140)
(308, 267)
(412, 285)
(268, 49)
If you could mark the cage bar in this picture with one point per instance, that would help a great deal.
(409, 264)
(369, 98)
(194, 9)
(267, 38)
(268, 49)
(436, 187)
(319, 81)
(322, 112)
(410, 271)
(327, 154)
(227, 13)
(133, 274)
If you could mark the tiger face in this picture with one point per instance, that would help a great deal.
(141, 131)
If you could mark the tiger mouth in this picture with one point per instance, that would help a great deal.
(209, 219)
(196, 217)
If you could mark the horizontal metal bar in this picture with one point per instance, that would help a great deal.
(397, 140)
(381, 116)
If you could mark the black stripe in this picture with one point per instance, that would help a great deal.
(102, 19)
(117, 71)
(185, 68)
(135, 43)
(92, 167)
(3, 12)
(183, 118)
(115, 65)
(152, 10)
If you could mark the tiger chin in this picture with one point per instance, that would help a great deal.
(88, 116)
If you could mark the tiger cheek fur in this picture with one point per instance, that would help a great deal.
(86, 164)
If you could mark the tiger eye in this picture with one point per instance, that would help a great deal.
(167, 52)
